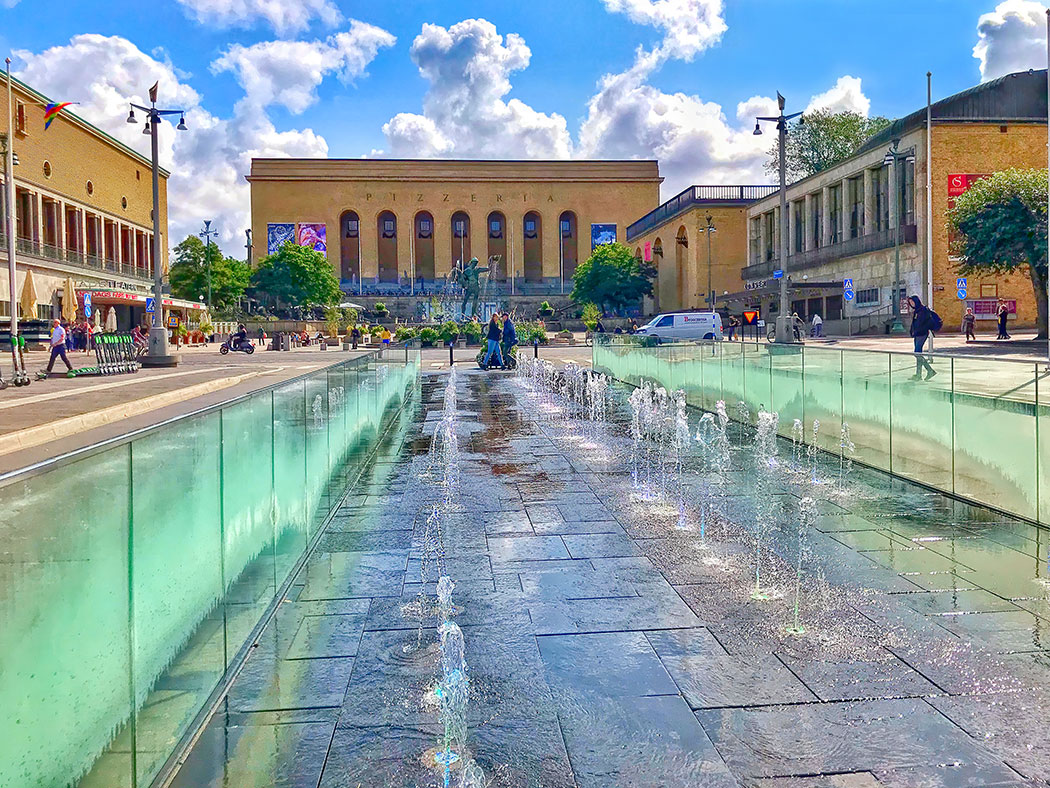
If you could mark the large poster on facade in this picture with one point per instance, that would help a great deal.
(277, 235)
(602, 234)
(312, 236)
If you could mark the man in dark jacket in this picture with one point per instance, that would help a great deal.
(510, 338)
(922, 323)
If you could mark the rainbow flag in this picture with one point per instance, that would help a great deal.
(51, 112)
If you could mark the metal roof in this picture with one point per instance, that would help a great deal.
(1014, 98)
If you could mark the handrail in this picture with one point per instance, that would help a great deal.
(882, 311)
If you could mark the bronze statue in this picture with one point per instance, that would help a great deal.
(469, 278)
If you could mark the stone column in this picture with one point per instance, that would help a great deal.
(869, 202)
(825, 219)
(761, 238)
(809, 218)
(792, 221)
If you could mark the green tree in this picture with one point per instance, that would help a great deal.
(822, 140)
(612, 278)
(296, 276)
(998, 226)
(189, 274)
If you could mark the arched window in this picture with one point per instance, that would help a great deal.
(681, 265)
(349, 247)
(386, 230)
(460, 247)
(497, 246)
(567, 239)
(532, 230)
(424, 246)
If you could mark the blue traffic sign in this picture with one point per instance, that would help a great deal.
(847, 284)
(847, 294)
(778, 274)
(151, 305)
(960, 283)
(961, 293)
(87, 304)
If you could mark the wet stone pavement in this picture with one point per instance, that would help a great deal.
(607, 647)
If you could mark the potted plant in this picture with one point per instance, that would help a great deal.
(448, 332)
(380, 310)
(472, 332)
(404, 334)
(428, 336)
(546, 310)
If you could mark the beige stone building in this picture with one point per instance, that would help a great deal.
(396, 224)
(674, 237)
(844, 222)
(83, 206)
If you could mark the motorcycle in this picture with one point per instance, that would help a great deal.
(243, 347)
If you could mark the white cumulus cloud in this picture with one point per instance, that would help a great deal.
(689, 26)
(208, 162)
(465, 113)
(845, 96)
(284, 16)
(1011, 38)
(288, 72)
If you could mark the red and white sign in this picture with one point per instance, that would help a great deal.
(959, 183)
(102, 296)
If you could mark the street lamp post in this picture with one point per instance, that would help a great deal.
(207, 234)
(709, 229)
(785, 330)
(893, 159)
(158, 354)
(9, 185)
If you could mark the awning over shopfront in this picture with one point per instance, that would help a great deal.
(771, 289)
(139, 299)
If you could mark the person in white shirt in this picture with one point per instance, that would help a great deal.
(818, 326)
(58, 345)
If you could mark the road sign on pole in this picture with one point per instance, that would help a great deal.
(960, 288)
(778, 274)
(87, 304)
(151, 305)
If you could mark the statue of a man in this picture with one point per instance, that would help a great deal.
(469, 280)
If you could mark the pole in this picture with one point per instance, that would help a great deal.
(510, 254)
(9, 185)
(412, 254)
(1048, 166)
(710, 265)
(898, 326)
(929, 193)
(784, 327)
(561, 257)
(158, 334)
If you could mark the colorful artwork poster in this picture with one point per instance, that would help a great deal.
(312, 236)
(277, 235)
(602, 234)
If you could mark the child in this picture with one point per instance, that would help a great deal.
(967, 324)
(386, 337)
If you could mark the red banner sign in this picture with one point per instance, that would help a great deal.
(959, 183)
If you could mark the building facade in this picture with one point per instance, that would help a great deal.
(847, 224)
(690, 260)
(402, 225)
(83, 209)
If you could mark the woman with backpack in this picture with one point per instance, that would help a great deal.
(493, 336)
(924, 322)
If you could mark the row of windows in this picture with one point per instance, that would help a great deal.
(43, 311)
(809, 228)
(460, 227)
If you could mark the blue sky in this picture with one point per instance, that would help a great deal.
(799, 47)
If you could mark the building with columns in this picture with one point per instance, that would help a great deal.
(697, 241)
(844, 223)
(83, 209)
(401, 225)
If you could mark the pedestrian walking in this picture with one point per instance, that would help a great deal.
(493, 336)
(355, 336)
(1003, 313)
(924, 322)
(818, 325)
(967, 324)
(510, 339)
(58, 346)
(731, 326)
(262, 337)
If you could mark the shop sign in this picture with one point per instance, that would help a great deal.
(756, 285)
(988, 308)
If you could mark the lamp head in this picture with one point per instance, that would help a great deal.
(182, 124)
(758, 129)
(131, 116)
(147, 128)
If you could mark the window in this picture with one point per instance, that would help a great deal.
(771, 233)
(855, 199)
(47, 169)
(124, 203)
(566, 228)
(20, 119)
(461, 229)
(665, 321)
(5, 309)
(816, 232)
(881, 186)
(755, 241)
(833, 307)
(352, 228)
(388, 228)
(835, 197)
(906, 200)
(90, 187)
(798, 215)
(495, 229)
(868, 297)
(530, 228)
(426, 228)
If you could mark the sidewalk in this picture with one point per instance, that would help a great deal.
(1021, 345)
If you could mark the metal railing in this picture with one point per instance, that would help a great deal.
(851, 247)
(697, 195)
(72, 257)
(858, 324)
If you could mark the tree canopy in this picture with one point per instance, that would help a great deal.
(189, 274)
(296, 276)
(613, 278)
(822, 140)
(998, 226)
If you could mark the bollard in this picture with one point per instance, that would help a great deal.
(535, 348)
(451, 359)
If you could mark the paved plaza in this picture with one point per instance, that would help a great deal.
(606, 645)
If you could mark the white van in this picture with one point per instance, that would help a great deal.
(684, 326)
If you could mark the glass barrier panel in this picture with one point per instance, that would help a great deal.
(1042, 430)
(921, 418)
(290, 510)
(822, 401)
(866, 405)
(733, 379)
(757, 379)
(994, 446)
(177, 583)
(317, 448)
(785, 374)
(65, 640)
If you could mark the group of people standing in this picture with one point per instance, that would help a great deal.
(501, 338)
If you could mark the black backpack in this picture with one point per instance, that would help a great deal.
(935, 320)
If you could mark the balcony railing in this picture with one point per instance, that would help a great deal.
(851, 247)
(697, 195)
(59, 254)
